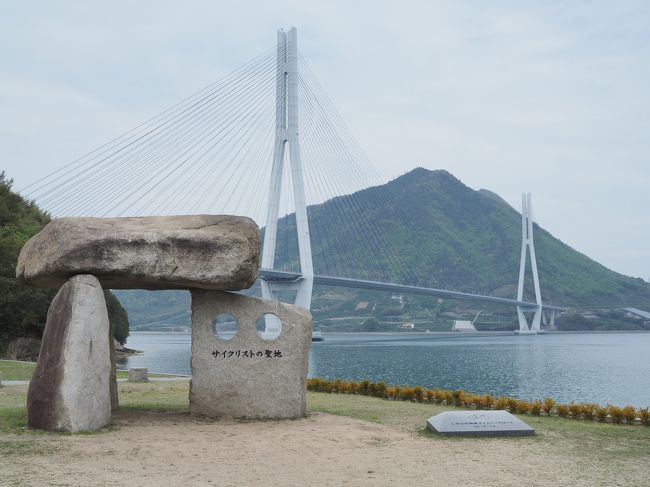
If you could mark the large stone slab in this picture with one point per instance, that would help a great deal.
(69, 390)
(247, 376)
(478, 423)
(175, 252)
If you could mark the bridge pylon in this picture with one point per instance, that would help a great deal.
(528, 246)
(287, 133)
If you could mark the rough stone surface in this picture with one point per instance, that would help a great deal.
(112, 380)
(242, 384)
(478, 423)
(69, 390)
(138, 374)
(175, 252)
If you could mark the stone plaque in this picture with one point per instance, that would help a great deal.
(478, 423)
(238, 372)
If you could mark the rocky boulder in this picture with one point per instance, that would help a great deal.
(176, 252)
(70, 387)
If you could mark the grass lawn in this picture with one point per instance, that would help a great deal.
(604, 442)
(564, 452)
(14, 370)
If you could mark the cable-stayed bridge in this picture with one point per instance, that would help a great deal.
(265, 141)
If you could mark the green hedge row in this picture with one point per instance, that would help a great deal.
(587, 411)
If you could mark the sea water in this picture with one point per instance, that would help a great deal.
(583, 367)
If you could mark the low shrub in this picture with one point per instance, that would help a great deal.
(363, 387)
(575, 410)
(644, 416)
(629, 413)
(587, 411)
(439, 396)
(512, 404)
(340, 386)
(536, 408)
(429, 396)
(485, 402)
(418, 393)
(547, 405)
(380, 389)
(449, 397)
(407, 394)
(615, 413)
(456, 397)
(502, 403)
(562, 410)
(602, 413)
(522, 407)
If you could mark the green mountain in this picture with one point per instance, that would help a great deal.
(450, 236)
(427, 228)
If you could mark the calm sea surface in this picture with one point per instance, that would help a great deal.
(584, 367)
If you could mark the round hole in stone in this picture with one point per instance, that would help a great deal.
(268, 326)
(225, 326)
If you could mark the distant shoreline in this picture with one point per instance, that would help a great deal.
(425, 334)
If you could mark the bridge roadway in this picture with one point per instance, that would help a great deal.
(273, 275)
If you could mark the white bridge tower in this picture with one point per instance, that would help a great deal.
(527, 245)
(287, 134)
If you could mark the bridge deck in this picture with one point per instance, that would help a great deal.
(638, 312)
(273, 275)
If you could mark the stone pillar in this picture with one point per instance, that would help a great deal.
(247, 376)
(69, 390)
(112, 381)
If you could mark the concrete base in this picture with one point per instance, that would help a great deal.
(246, 376)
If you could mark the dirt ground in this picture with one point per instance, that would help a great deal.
(175, 449)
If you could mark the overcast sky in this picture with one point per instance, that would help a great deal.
(551, 97)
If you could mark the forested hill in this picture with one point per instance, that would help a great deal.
(23, 309)
(453, 237)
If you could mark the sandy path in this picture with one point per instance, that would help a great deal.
(175, 449)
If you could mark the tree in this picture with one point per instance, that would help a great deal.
(23, 309)
(371, 324)
(118, 317)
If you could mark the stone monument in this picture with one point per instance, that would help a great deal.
(69, 390)
(478, 423)
(74, 386)
(248, 376)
